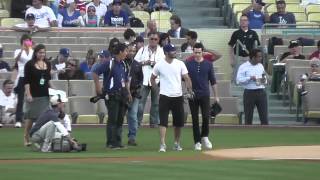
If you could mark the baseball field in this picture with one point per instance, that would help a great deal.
(297, 145)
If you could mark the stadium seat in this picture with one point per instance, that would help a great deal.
(308, 49)
(82, 88)
(62, 40)
(93, 40)
(314, 17)
(219, 76)
(307, 24)
(143, 16)
(313, 8)
(5, 75)
(39, 39)
(224, 88)
(4, 13)
(294, 8)
(239, 8)
(61, 85)
(311, 101)
(162, 18)
(10, 22)
(230, 111)
(300, 17)
(87, 111)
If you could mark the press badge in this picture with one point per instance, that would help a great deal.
(41, 81)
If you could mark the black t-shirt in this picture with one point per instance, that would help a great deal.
(78, 75)
(286, 54)
(34, 76)
(247, 38)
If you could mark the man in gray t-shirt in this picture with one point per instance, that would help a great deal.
(281, 16)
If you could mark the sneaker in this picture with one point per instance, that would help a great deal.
(46, 147)
(197, 146)
(132, 142)
(18, 125)
(177, 147)
(1, 125)
(163, 148)
(117, 147)
(206, 143)
(36, 147)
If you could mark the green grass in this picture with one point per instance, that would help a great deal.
(148, 139)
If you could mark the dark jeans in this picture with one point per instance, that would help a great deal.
(19, 90)
(116, 111)
(204, 104)
(252, 98)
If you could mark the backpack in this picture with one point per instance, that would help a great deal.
(306, 41)
(136, 22)
(273, 42)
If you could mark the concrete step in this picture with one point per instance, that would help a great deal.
(204, 21)
(202, 11)
(198, 3)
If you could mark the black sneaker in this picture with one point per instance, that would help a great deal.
(132, 142)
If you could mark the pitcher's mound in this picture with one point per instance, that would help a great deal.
(275, 152)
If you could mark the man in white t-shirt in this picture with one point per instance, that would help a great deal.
(148, 56)
(44, 15)
(171, 71)
(101, 8)
(8, 103)
(30, 25)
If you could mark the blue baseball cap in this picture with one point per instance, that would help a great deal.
(65, 52)
(169, 48)
(104, 53)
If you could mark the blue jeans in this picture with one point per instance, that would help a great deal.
(154, 109)
(132, 118)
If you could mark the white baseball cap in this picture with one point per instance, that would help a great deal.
(56, 99)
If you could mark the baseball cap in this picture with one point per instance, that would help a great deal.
(260, 2)
(65, 52)
(280, 2)
(56, 99)
(104, 53)
(139, 39)
(293, 43)
(30, 16)
(116, 2)
(169, 48)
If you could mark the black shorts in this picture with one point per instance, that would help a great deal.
(175, 104)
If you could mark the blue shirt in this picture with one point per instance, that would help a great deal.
(69, 21)
(111, 19)
(287, 18)
(118, 76)
(256, 19)
(201, 74)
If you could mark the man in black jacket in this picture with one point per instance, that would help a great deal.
(176, 30)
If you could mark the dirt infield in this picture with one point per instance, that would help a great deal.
(269, 153)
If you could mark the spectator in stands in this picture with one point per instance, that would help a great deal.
(29, 25)
(129, 36)
(244, 38)
(69, 16)
(138, 5)
(139, 42)
(113, 44)
(314, 75)
(281, 16)
(44, 15)
(8, 101)
(86, 65)
(157, 4)
(91, 19)
(151, 27)
(293, 53)
(252, 76)
(37, 82)
(19, 7)
(125, 7)
(176, 30)
(316, 54)
(116, 86)
(171, 71)
(148, 56)
(201, 72)
(103, 56)
(59, 63)
(116, 16)
(21, 56)
(101, 8)
(80, 6)
(53, 4)
(256, 17)
(72, 71)
(164, 39)
(4, 66)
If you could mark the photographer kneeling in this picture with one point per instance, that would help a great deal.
(48, 125)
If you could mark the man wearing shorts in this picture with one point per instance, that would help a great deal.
(171, 71)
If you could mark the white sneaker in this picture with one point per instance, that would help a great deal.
(206, 143)
(46, 147)
(163, 148)
(177, 147)
(197, 146)
(18, 125)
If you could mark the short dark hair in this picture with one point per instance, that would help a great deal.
(192, 34)
(128, 33)
(198, 45)
(154, 33)
(7, 81)
(280, 2)
(254, 52)
(176, 19)
(119, 48)
(244, 15)
(112, 44)
(25, 37)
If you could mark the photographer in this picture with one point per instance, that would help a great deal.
(116, 88)
(48, 125)
(135, 79)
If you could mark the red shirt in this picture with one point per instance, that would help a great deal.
(206, 55)
(315, 54)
